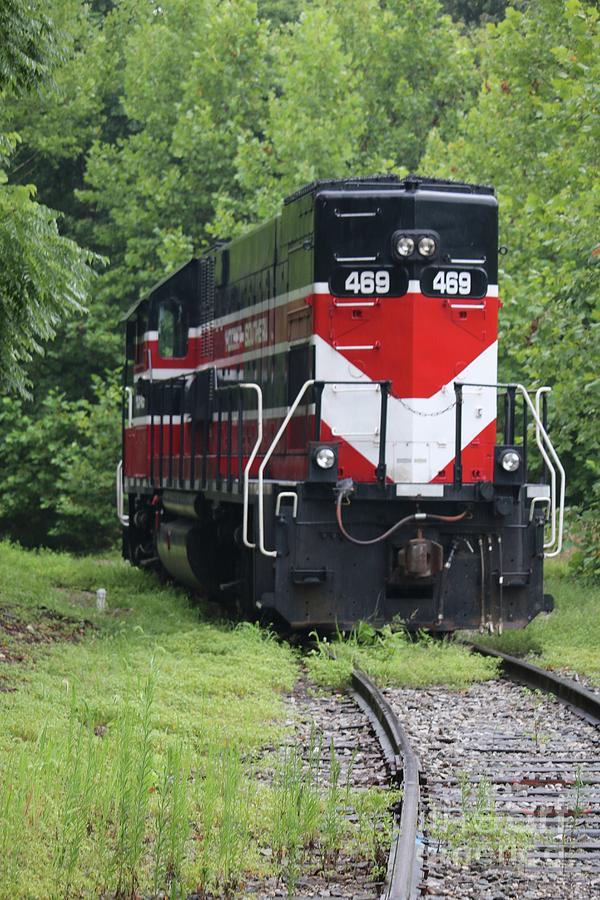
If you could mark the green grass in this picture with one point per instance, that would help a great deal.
(567, 638)
(392, 658)
(129, 744)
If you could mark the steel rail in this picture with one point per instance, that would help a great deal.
(582, 700)
(404, 868)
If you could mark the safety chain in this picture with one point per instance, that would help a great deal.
(427, 415)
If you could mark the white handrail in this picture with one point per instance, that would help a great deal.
(287, 495)
(267, 457)
(123, 518)
(535, 500)
(543, 437)
(550, 467)
(129, 392)
(547, 450)
(250, 386)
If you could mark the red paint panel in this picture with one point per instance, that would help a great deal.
(477, 459)
(136, 452)
(419, 342)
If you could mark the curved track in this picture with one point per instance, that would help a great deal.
(403, 865)
(538, 761)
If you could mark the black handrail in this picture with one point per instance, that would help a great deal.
(381, 465)
(509, 414)
(218, 477)
(229, 440)
(181, 430)
(507, 423)
(458, 472)
(193, 432)
(161, 407)
(240, 441)
(318, 389)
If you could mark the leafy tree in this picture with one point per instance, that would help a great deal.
(535, 134)
(156, 127)
(44, 276)
(58, 469)
(193, 75)
(27, 44)
(355, 88)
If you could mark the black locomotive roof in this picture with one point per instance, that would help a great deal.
(183, 272)
(391, 182)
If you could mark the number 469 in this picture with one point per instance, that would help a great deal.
(367, 282)
(452, 282)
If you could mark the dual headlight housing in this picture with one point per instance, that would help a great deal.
(414, 244)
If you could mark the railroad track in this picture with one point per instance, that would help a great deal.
(503, 800)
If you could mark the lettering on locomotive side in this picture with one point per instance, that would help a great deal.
(246, 335)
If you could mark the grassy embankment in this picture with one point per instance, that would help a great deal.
(569, 637)
(130, 740)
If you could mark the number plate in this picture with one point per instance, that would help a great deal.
(348, 282)
(445, 282)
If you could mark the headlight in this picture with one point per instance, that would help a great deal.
(427, 246)
(325, 457)
(510, 461)
(404, 245)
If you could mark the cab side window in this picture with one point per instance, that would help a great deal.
(172, 329)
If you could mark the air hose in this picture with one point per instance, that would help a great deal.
(346, 489)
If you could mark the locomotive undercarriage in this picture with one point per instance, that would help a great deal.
(484, 571)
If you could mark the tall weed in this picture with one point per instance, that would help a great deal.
(172, 827)
(224, 797)
(15, 797)
(134, 781)
(77, 785)
(296, 807)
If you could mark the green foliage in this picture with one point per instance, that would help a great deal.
(58, 464)
(480, 830)
(45, 276)
(226, 116)
(27, 44)
(165, 126)
(296, 807)
(123, 777)
(534, 133)
(336, 107)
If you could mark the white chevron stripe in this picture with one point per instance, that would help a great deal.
(420, 430)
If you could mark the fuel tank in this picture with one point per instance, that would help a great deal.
(179, 545)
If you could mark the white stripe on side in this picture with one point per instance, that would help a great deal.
(250, 415)
(319, 288)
